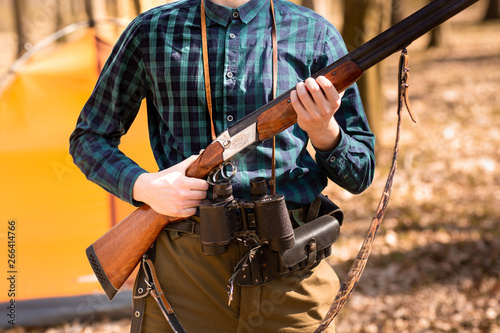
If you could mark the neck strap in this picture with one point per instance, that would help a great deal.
(206, 72)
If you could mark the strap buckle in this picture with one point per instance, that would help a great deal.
(154, 287)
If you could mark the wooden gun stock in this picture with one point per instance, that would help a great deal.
(115, 255)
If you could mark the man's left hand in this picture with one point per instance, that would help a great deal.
(316, 101)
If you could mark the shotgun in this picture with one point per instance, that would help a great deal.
(115, 255)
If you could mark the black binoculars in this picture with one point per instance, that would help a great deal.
(224, 218)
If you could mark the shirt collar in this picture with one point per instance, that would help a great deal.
(222, 15)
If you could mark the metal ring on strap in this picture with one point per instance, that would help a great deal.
(221, 173)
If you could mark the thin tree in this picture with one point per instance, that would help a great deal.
(319, 6)
(363, 20)
(63, 16)
(89, 10)
(309, 4)
(396, 11)
(18, 6)
(493, 10)
(137, 6)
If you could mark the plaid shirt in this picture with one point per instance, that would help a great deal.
(158, 57)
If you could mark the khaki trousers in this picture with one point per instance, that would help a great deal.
(195, 286)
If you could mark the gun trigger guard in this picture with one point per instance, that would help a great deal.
(221, 173)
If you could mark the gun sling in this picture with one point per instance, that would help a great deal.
(149, 284)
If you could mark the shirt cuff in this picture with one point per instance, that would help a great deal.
(127, 179)
(334, 156)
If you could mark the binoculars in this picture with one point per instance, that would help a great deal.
(224, 218)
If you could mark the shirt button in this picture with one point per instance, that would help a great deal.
(332, 159)
(236, 14)
(230, 118)
(229, 74)
(231, 35)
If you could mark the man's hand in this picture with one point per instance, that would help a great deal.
(170, 192)
(315, 102)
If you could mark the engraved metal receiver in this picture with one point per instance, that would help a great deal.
(239, 143)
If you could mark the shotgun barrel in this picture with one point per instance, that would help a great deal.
(115, 255)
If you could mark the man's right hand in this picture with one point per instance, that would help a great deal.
(170, 192)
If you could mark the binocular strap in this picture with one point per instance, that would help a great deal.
(241, 265)
(159, 296)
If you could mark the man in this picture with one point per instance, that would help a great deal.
(160, 57)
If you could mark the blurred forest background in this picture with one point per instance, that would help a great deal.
(435, 266)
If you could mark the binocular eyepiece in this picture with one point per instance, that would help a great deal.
(219, 217)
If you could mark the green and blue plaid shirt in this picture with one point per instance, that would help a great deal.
(159, 57)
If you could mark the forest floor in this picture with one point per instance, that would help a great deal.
(435, 264)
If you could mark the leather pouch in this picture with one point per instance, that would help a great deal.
(313, 242)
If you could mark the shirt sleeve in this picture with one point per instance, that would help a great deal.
(351, 164)
(108, 114)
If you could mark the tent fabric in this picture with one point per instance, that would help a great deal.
(57, 212)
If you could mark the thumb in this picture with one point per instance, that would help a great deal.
(184, 165)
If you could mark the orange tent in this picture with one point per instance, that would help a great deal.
(52, 211)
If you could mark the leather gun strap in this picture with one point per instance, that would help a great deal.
(206, 68)
(208, 90)
(159, 295)
(359, 263)
(274, 36)
(140, 292)
(404, 73)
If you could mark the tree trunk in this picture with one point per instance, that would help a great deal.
(89, 9)
(137, 7)
(436, 37)
(64, 16)
(309, 4)
(17, 6)
(493, 11)
(324, 8)
(396, 11)
(364, 20)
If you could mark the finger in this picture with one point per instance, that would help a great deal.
(184, 165)
(183, 213)
(331, 93)
(296, 103)
(195, 184)
(318, 102)
(305, 98)
(196, 196)
(182, 208)
(328, 88)
(188, 204)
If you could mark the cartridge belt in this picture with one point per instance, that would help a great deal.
(189, 227)
(299, 216)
